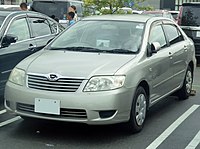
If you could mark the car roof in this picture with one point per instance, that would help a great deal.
(127, 17)
(14, 13)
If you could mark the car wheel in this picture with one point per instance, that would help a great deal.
(185, 91)
(138, 111)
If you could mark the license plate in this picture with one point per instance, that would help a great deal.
(198, 34)
(47, 106)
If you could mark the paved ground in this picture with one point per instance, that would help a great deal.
(171, 124)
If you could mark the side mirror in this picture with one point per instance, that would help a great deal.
(153, 48)
(8, 39)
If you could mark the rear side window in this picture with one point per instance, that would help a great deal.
(173, 34)
(190, 15)
(40, 27)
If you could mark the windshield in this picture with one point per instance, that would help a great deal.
(101, 36)
(1, 20)
(190, 16)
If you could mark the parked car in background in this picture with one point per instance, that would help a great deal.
(189, 21)
(9, 8)
(57, 9)
(104, 70)
(159, 13)
(137, 11)
(174, 13)
(22, 33)
(126, 10)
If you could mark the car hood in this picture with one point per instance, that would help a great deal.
(78, 64)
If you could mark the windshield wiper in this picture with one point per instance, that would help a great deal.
(123, 51)
(90, 49)
(81, 49)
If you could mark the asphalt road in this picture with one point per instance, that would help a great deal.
(170, 124)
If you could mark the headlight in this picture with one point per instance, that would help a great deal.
(104, 83)
(17, 76)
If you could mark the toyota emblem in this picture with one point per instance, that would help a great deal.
(53, 77)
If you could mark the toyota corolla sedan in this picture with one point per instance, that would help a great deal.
(104, 70)
(22, 33)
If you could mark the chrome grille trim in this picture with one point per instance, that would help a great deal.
(63, 84)
(67, 113)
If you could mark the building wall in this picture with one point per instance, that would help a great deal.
(167, 4)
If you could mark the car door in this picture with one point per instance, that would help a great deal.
(13, 53)
(179, 49)
(42, 31)
(159, 64)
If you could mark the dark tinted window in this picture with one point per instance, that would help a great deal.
(190, 16)
(20, 29)
(40, 27)
(157, 35)
(173, 34)
(50, 8)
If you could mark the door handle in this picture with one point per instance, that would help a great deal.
(32, 47)
(185, 48)
(170, 55)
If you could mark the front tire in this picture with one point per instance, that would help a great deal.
(138, 111)
(185, 91)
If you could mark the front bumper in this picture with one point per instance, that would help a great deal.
(97, 108)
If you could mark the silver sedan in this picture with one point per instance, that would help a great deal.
(104, 70)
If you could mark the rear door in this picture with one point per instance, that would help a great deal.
(161, 70)
(179, 50)
(42, 30)
(15, 52)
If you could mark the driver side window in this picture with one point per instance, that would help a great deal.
(157, 35)
(20, 29)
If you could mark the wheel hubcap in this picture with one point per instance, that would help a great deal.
(188, 82)
(140, 109)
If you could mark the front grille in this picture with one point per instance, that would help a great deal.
(67, 113)
(61, 85)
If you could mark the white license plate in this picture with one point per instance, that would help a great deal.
(198, 34)
(48, 106)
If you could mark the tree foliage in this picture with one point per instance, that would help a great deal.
(108, 6)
